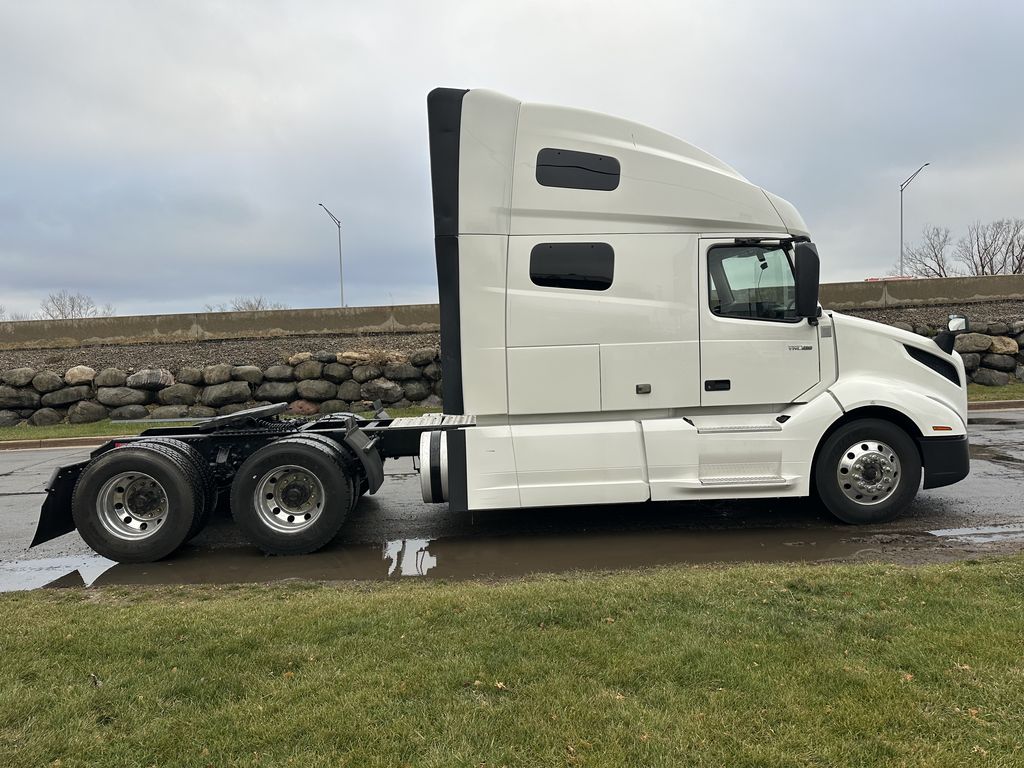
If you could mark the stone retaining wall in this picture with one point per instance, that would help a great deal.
(312, 383)
(992, 353)
(329, 382)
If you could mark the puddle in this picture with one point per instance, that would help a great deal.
(1000, 454)
(48, 571)
(986, 534)
(449, 558)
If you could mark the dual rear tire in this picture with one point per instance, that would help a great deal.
(293, 495)
(140, 502)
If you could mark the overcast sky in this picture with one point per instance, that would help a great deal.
(163, 155)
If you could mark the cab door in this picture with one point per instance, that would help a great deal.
(754, 350)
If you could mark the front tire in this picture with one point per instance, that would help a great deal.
(868, 471)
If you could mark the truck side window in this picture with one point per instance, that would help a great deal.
(582, 266)
(577, 170)
(752, 281)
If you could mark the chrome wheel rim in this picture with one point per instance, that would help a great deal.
(868, 472)
(289, 499)
(132, 506)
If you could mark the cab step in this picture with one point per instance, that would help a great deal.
(752, 480)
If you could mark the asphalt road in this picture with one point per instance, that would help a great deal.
(394, 534)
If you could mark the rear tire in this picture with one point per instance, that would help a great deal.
(868, 471)
(292, 496)
(207, 483)
(137, 505)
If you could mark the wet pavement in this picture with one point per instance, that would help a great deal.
(394, 535)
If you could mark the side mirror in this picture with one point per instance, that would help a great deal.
(957, 324)
(806, 268)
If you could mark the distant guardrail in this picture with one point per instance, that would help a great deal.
(425, 318)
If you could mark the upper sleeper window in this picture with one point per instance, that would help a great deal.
(577, 170)
(582, 266)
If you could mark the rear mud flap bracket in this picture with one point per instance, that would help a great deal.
(365, 449)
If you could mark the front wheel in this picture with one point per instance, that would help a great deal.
(868, 471)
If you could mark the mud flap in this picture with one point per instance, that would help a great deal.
(365, 449)
(55, 516)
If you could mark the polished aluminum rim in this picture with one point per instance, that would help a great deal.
(131, 506)
(868, 472)
(289, 499)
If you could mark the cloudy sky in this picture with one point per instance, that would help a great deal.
(164, 155)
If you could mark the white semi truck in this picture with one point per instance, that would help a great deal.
(624, 318)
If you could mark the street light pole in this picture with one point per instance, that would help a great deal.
(903, 186)
(341, 267)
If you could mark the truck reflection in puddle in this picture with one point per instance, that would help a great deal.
(447, 558)
(409, 557)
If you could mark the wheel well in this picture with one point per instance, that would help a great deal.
(901, 420)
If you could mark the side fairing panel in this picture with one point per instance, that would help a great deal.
(715, 456)
(482, 304)
(491, 481)
(580, 463)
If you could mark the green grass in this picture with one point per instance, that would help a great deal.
(745, 666)
(980, 393)
(108, 428)
(105, 428)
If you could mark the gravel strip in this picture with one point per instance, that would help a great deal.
(936, 315)
(261, 352)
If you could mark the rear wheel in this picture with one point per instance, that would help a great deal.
(208, 485)
(868, 471)
(137, 504)
(292, 496)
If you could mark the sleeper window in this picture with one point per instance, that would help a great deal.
(580, 266)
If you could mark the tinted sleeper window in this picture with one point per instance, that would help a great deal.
(582, 266)
(577, 170)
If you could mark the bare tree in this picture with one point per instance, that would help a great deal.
(930, 257)
(983, 249)
(65, 305)
(1013, 250)
(246, 304)
(13, 316)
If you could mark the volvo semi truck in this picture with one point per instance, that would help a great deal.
(624, 319)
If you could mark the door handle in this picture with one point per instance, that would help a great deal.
(717, 385)
(643, 389)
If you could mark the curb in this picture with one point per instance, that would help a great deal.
(996, 405)
(57, 442)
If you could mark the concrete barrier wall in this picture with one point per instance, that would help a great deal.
(424, 318)
(908, 293)
(198, 326)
